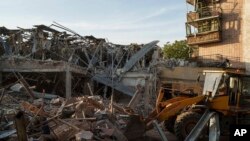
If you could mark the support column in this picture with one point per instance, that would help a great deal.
(68, 79)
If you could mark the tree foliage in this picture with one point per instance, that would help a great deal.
(178, 50)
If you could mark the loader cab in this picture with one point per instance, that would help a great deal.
(239, 91)
(228, 90)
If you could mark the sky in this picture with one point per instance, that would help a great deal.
(118, 21)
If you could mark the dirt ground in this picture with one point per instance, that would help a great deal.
(153, 135)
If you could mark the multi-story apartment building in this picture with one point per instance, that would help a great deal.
(220, 29)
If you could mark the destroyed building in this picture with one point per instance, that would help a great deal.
(57, 62)
(62, 67)
(67, 85)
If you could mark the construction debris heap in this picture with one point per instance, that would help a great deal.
(65, 63)
(57, 85)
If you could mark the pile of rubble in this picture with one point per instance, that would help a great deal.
(32, 103)
(78, 118)
(103, 61)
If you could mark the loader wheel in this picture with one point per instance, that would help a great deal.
(169, 124)
(184, 124)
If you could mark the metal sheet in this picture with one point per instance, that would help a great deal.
(144, 50)
(211, 84)
(6, 133)
(206, 117)
(116, 85)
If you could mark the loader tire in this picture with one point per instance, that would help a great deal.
(169, 124)
(184, 124)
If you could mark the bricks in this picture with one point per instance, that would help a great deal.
(231, 45)
(246, 35)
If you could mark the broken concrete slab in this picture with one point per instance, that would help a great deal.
(84, 136)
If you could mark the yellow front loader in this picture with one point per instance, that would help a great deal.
(226, 94)
(168, 108)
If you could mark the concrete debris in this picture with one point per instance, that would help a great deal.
(84, 136)
(59, 85)
(17, 87)
(77, 118)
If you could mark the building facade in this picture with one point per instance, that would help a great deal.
(219, 29)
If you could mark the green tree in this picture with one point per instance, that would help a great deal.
(178, 50)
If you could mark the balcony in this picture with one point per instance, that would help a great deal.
(196, 16)
(209, 37)
(206, 13)
(192, 16)
(190, 2)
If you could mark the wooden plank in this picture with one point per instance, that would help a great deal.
(20, 126)
(2, 94)
(61, 108)
(25, 84)
(136, 97)
(90, 89)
